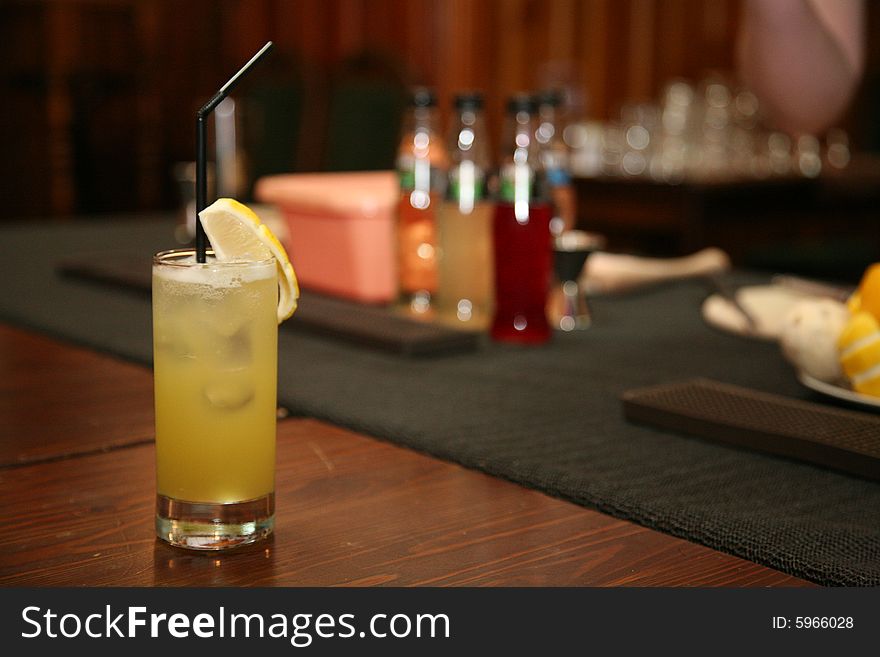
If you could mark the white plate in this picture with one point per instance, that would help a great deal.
(838, 392)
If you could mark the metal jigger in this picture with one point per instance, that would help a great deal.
(567, 309)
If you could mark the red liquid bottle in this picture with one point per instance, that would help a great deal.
(521, 234)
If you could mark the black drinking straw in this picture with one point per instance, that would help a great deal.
(201, 147)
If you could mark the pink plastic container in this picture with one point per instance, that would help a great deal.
(340, 230)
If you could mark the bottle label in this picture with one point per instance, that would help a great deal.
(558, 177)
(555, 161)
(467, 183)
(418, 173)
(517, 183)
(406, 172)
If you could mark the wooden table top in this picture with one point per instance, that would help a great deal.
(57, 401)
(77, 479)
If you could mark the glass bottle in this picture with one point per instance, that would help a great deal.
(555, 160)
(464, 221)
(421, 166)
(521, 232)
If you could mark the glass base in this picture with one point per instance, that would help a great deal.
(206, 526)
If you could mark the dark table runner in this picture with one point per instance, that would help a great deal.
(548, 417)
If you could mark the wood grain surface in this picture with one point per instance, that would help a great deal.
(58, 401)
(351, 510)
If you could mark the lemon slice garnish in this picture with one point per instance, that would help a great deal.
(237, 234)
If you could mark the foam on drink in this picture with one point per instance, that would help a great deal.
(184, 270)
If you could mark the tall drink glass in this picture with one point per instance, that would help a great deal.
(215, 359)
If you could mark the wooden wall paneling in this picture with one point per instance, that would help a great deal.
(514, 52)
(246, 26)
(536, 39)
(671, 43)
(595, 53)
(709, 45)
(454, 29)
(190, 71)
(467, 57)
(719, 31)
(511, 62)
(617, 64)
(693, 67)
(104, 35)
(305, 27)
(106, 98)
(466, 47)
(350, 34)
(22, 39)
(23, 127)
(484, 56)
(457, 41)
(383, 27)
(566, 54)
(641, 48)
(434, 46)
(305, 33)
(152, 179)
(561, 30)
(861, 121)
(458, 62)
(421, 39)
(177, 53)
(61, 32)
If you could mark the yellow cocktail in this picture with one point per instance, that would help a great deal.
(215, 335)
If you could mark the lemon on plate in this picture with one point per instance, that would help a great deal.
(859, 348)
(237, 234)
(867, 295)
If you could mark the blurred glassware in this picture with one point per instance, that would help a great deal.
(779, 151)
(227, 172)
(555, 160)
(567, 307)
(710, 159)
(230, 159)
(837, 151)
(612, 149)
(808, 159)
(639, 125)
(184, 174)
(706, 132)
(584, 140)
